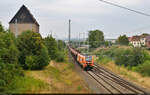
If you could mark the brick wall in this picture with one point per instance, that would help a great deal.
(23, 27)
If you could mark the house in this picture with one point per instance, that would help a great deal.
(135, 41)
(148, 41)
(23, 21)
(143, 39)
(138, 41)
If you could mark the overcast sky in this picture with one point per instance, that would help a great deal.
(53, 15)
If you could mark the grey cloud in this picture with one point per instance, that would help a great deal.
(53, 16)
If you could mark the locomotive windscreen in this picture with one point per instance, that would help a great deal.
(88, 58)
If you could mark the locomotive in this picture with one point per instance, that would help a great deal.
(85, 61)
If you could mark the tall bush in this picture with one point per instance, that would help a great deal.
(144, 68)
(1, 28)
(60, 57)
(32, 50)
(9, 68)
(52, 47)
(8, 50)
(130, 57)
(8, 72)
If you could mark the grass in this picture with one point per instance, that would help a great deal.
(79, 88)
(61, 78)
(54, 72)
(26, 84)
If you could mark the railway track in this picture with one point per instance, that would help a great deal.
(113, 83)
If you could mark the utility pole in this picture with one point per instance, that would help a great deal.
(69, 30)
(88, 43)
(69, 38)
(84, 38)
(79, 40)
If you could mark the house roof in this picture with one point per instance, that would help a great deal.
(24, 16)
(144, 36)
(135, 38)
(148, 38)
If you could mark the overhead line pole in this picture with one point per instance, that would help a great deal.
(69, 36)
(69, 30)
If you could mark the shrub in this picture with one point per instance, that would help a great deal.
(1, 28)
(7, 74)
(123, 57)
(30, 62)
(106, 60)
(130, 57)
(52, 47)
(9, 67)
(137, 59)
(60, 57)
(61, 45)
(8, 50)
(33, 53)
(43, 58)
(56, 49)
(144, 69)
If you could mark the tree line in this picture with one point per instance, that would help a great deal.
(96, 39)
(135, 59)
(28, 51)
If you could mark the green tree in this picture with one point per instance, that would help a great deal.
(52, 47)
(38, 61)
(145, 34)
(123, 40)
(96, 38)
(9, 68)
(1, 28)
(8, 50)
(61, 45)
(31, 46)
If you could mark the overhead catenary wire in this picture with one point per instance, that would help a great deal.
(110, 3)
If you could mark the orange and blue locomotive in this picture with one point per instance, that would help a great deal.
(86, 61)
